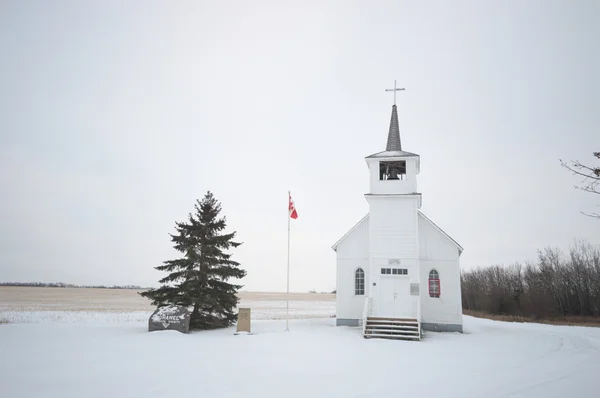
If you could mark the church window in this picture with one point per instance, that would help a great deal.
(359, 282)
(395, 170)
(434, 284)
(394, 271)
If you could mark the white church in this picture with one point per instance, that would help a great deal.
(397, 271)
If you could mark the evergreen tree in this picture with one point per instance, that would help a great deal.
(199, 278)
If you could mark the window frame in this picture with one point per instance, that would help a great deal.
(358, 280)
(434, 281)
(390, 271)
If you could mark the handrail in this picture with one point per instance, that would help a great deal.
(366, 311)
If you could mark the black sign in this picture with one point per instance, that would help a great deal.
(172, 317)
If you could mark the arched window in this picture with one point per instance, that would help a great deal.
(434, 284)
(359, 282)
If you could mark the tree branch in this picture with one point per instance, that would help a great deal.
(595, 215)
(591, 178)
(595, 171)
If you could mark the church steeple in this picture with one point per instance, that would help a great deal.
(394, 171)
(393, 140)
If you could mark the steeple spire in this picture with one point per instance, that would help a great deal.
(393, 141)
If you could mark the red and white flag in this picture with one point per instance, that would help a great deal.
(292, 208)
(292, 214)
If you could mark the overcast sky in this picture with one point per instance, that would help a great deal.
(116, 116)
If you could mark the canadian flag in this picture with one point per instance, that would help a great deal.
(292, 208)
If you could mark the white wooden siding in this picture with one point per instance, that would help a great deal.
(393, 227)
(437, 251)
(352, 253)
(447, 308)
(434, 245)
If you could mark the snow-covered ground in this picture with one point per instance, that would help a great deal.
(113, 355)
(40, 304)
(261, 310)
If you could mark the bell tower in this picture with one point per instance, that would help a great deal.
(393, 171)
(393, 223)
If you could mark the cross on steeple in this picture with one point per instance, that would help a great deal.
(394, 90)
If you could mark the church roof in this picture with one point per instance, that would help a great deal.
(335, 245)
(392, 154)
(460, 248)
(393, 141)
(366, 217)
(393, 148)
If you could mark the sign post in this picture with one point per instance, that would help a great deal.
(243, 321)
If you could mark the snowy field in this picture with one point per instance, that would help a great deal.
(33, 304)
(57, 353)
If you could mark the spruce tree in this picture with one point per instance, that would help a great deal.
(198, 280)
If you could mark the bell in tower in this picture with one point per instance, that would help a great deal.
(394, 170)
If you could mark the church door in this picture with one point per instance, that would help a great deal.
(394, 297)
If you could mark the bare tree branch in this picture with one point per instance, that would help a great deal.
(591, 178)
(595, 215)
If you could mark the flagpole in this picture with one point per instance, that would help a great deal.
(287, 295)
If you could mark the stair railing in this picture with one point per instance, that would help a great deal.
(366, 312)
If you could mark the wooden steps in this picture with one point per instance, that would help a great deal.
(393, 328)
